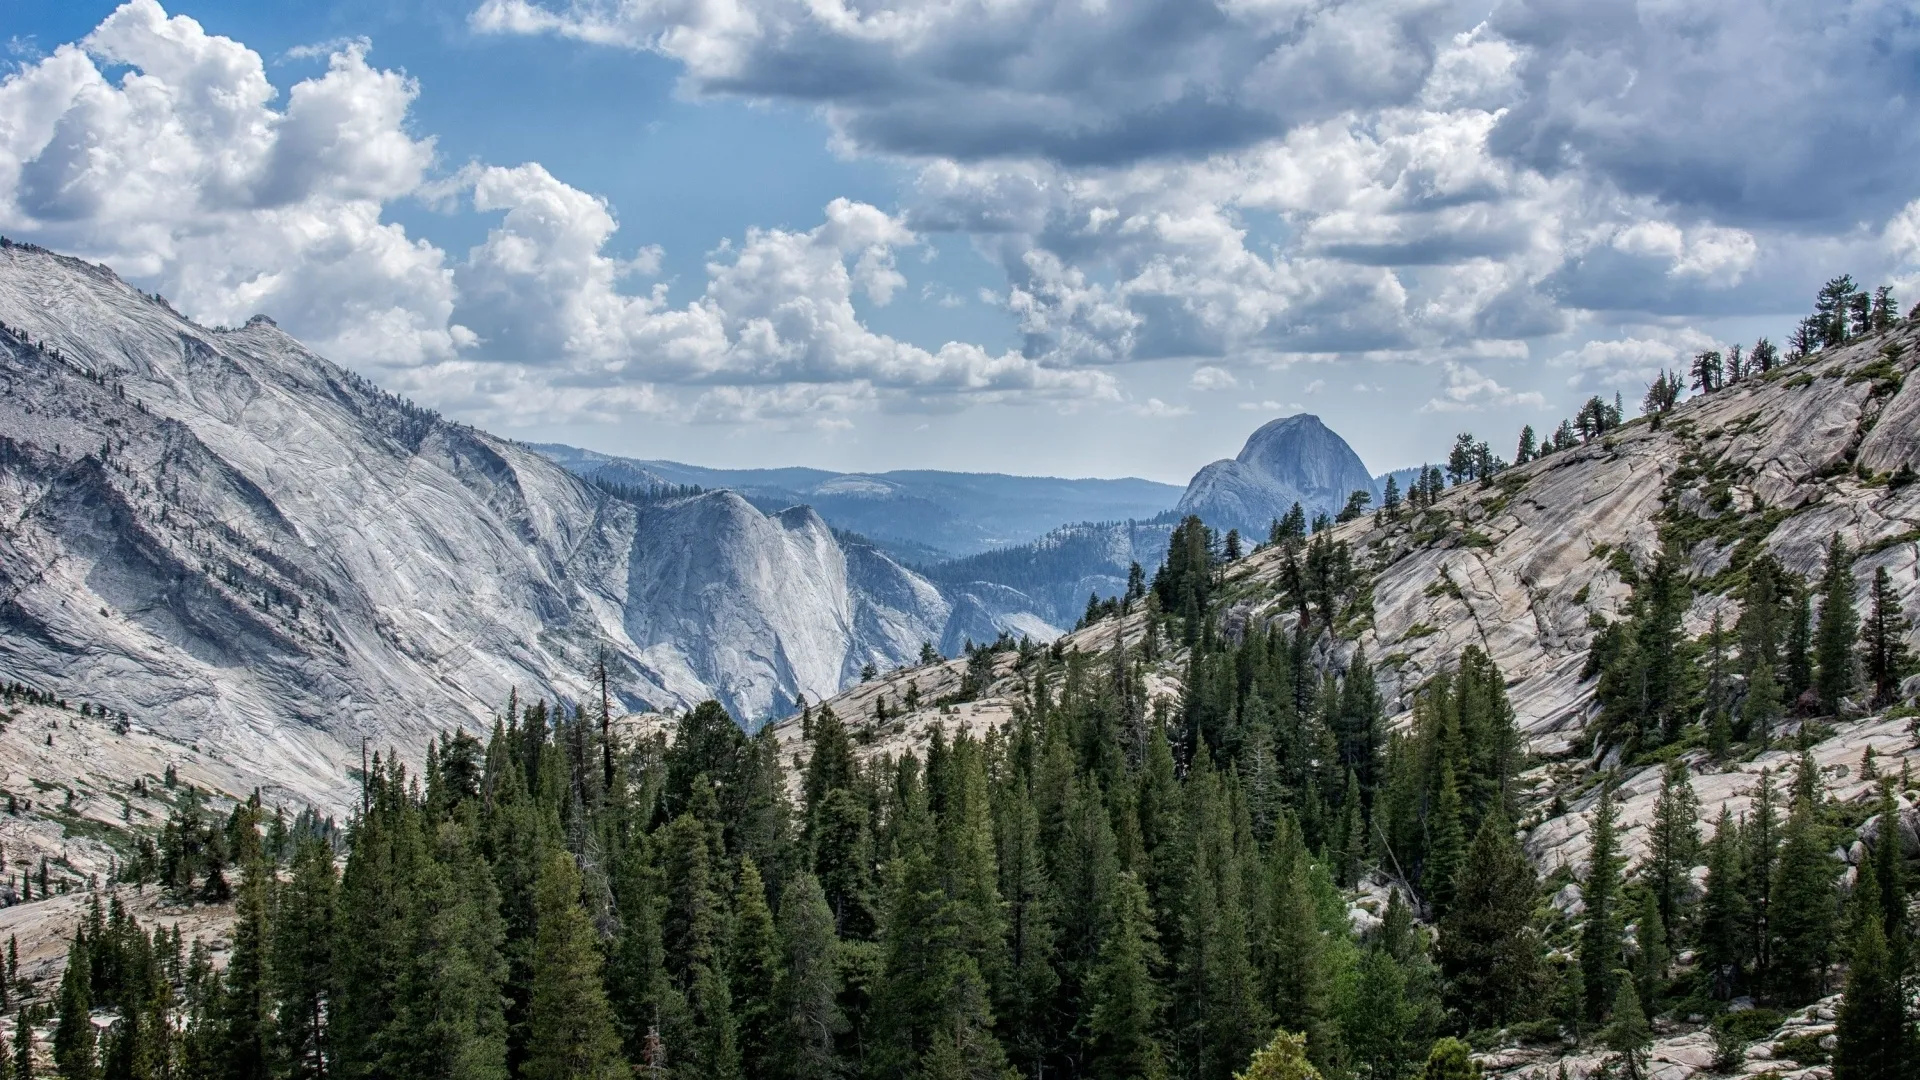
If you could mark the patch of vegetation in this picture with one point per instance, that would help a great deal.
(1804, 1049)
(1581, 596)
(1911, 536)
(1621, 564)
(1750, 1025)
(1474, 538)
(1419, 630)
(1883, 373)
(1798, 381)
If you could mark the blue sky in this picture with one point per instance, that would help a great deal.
(1030, 236)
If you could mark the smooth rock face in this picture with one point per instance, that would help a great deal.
(244, 545)
(1293, 459)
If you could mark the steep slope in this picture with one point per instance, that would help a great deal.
(1293, 459)
(240, 543)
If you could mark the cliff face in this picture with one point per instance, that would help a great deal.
(1293, 459)
(243, 544)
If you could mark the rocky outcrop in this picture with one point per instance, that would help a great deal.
(246, 546)
(1293, 459)
(1522, 565)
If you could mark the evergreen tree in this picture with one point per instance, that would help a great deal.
(1674, 846)
(1723, 916)
(1446, 841)
(1381, 1024)
(1799, 650)
(242, 1016)
(1296, 973)
(1883, 641)
(1488, 950)
(1802, 908)
(1839, 626)
(1875, 1039)
(754, 965)
(1629, 1035)
(571, 1027)
(1125, 1013)
(302, 960)
(1650, 953)
(808, 994)
(1600, 893)
(74, 1051)
(448, 1021)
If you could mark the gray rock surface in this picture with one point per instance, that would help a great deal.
(1293, 459)
(246, 546)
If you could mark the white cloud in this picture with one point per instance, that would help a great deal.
(1466, 389)
(1209, 377)
(1106, 82)
(1154, 407)
(183, 173)
(192, 174)
(1632, 363)
(1314, 387)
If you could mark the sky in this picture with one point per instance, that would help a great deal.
(1070, 237)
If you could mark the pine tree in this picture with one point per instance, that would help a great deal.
(1629, 1035)
(807, 1001)
(1446, 840)
(1875, 1040)
(74, 1051)
(1488, 950)
(1798, 661)
(1889, 866)
(448, 1021)
(1802, 908)
(754, 962)
(302, 960)
(23, 1062)
(1600, 892)
(1674, 843)
(1125, 1012)
(1723, 916)
(1650, 954)
(1883, 641)
(243, 1014)
(1382, 1020)
(571, 1036)
(1839, 626)
(1295, 969)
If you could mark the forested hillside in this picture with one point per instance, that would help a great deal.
(1595, 762)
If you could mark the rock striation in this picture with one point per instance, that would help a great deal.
(246, 546)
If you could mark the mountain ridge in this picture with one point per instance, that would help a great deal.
(231, 538)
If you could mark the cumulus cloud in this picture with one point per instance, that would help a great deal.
(182, 172)
(1466, 389)
(191, 173)
(1771, 112)
(1167, 179)
(1632, 363)
(1085, 83)
(1209, 377)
